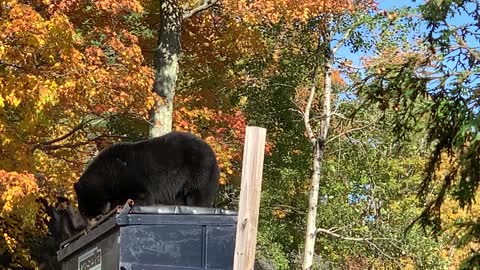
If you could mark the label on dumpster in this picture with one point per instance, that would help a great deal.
(90, 260)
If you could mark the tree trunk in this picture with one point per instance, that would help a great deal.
(162, 116)
(166, 66)
(319, 145)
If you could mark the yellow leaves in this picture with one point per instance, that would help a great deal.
(48, 84)
(256, 12)
(116, 7)
(12, 100)
(11, 242)
(279, 213)
(47, 93)
(2, 51)
(149, 102)
(13, 188)
(18, 208)
(69, 83)
(452, 214)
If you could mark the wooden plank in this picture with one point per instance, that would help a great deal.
(249, 205)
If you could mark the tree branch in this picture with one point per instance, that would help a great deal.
(74, 145)
(344, 38)
(80, 126)
(204, 6)
(357, 239)
(5, 64)
(461, 42)
(347, 132)
(313, 89)
(367, 240)
(62, 146)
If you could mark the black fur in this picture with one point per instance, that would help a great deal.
(177, 168)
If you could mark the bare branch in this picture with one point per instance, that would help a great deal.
(63, 158)
(204, 6)
(367, 240)
(80, 126)
(311, 97)
(351, 66)
(63, 146)
(347, 132)
(339, 115)
(5, 64)
(74, 145)
(358, 239)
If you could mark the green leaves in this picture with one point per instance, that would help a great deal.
(436, 81)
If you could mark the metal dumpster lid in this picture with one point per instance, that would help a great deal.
(180, 210)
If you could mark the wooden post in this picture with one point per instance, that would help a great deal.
(249, 204)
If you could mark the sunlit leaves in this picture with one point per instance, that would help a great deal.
(291, 10)
(18, 212)
(61, 80)
(224, 131)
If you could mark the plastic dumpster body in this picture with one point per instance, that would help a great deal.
(155, 237)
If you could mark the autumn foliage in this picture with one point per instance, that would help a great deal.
(268, 11)
(18, 213)
(68, 69)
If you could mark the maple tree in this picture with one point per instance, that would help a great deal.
(217, 128)
(73, 76)
(58, 88)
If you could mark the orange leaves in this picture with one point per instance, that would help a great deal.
(60, 66)
(14, 187)
(337, 78)
(94, 55)
(18, 192)
(261, 11)
(213, 45)
(52, 77)
(223, 131)
(118, 7)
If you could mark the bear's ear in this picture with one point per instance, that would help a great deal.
(124, 163)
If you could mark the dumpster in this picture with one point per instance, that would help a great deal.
(159, 237)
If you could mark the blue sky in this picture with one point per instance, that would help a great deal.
(388, 4)
(383, 5)
(458, 19)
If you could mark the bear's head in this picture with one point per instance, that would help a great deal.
(92, 200)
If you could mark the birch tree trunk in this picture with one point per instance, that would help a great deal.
(318, 146)
(166, 66)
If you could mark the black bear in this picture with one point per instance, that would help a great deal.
(65, 221)
(175, 169)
